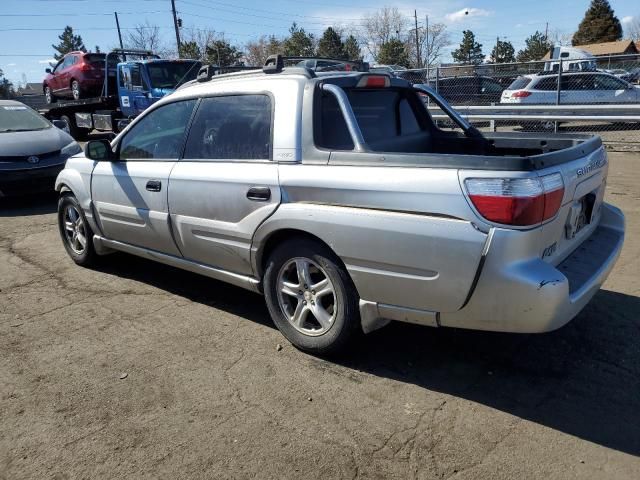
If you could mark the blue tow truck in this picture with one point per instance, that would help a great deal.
(134, 80)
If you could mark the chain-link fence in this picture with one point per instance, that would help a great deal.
(598, 95)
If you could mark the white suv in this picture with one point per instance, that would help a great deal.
(575, 88)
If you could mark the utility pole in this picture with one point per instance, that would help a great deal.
(175, 24)
(546, 32)
(415, 17)
(428, 52)
(119, 34)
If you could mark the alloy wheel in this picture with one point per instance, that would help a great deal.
(74, 229)
(75, 90)
(306, 296)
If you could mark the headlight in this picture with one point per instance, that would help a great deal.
(71, 149)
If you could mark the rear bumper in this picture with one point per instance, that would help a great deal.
(29, 180)
(531, 296)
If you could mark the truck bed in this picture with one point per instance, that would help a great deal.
(508, 151)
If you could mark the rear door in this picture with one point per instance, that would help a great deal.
(130, 195)
(227, 184)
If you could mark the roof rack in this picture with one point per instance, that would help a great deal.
(207, 72)
(276, 63)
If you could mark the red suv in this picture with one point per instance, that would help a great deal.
(77, 75)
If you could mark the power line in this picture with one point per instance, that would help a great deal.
(77, 14)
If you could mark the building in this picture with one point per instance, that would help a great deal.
(30, 89)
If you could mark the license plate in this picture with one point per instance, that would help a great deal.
(580, 215)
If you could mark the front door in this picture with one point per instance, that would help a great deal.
(130, 194)
(226, 185)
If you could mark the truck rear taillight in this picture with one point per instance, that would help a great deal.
(520, 94)
(516, 201)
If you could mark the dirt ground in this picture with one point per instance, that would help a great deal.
(207, 394)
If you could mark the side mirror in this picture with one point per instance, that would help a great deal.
(47, 70)
(99, 150)
(62, 125)
(122, 124)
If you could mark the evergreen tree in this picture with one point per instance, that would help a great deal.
(598, 25)
(222, 53)
(393, 52)
(6, 87)
(503, 52)
(190, 49)
(537, 46)
(470, 51)
(299, 43)
(68, 43)
(330, 45)
(352, 49)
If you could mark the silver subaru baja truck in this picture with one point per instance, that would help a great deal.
(337, 196)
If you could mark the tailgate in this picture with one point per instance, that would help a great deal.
(584, 188)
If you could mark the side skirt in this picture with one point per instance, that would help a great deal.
(243, 281)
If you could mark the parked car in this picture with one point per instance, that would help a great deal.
(633, 76)
(77, 75)
(469, 90)
(575, 88)
(32, 150)
(337, 197)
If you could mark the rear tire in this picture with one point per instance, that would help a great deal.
(76, 93)
(76, 132)
(311, 297)
(75, 232)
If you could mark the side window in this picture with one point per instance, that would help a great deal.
(489, 86)
(235, 127)
(547, 83)
(124, 74)
(136, 78)
(603, 82)
(408, 122)
(159, 134)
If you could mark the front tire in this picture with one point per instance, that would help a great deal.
(48, 95)
(311, 297)
(75, 232)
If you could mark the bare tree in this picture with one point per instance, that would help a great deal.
(202, 38)
(632, 29)
(147, 37)
(431, 50)
(381, 26)
(257, 51)
(558, 37)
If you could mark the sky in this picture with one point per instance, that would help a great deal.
(29, 27)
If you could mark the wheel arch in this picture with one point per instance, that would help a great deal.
(277, 237)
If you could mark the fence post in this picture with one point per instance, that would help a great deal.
(555, 124)
(437, 77)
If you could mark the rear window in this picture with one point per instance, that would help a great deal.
(95, 59)
(519, 83)
(381, 114)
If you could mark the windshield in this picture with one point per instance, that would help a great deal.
(20, 118)
(169, 74)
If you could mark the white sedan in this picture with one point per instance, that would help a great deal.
(575, 88)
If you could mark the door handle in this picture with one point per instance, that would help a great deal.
(154, 185)
(259, 194)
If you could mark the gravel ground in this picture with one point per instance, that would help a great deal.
(137, 370)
